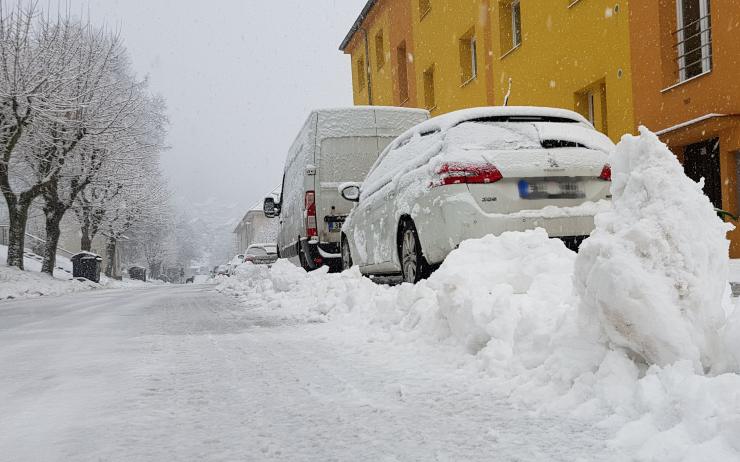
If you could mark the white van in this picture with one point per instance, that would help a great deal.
(335, 146)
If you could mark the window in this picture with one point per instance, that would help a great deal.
(591, 104)
(429, 99)
(693, 38)
(403, 82)
(468, 57)
(424, 7)
(516, 24)
(361, 73)
(510, 24)
(379, 50)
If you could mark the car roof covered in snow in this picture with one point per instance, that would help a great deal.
(350, 109)
(452, 119)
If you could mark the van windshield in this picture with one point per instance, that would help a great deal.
(349, 158)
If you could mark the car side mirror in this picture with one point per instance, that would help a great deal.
(350, 192)
(271, 208)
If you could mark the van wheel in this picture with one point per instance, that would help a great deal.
(413, 264)
(346, 254)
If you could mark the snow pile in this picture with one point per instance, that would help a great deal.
(31, 283)
(654, 272)
(15, 283)
(619, 336)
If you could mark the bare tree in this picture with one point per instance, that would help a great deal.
(38, 69)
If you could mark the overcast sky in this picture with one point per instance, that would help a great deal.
(239, 76)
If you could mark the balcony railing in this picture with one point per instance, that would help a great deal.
(694, 48)
(34, 243)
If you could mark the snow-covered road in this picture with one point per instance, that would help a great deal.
(183, 373)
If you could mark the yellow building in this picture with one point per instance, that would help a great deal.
(445, 55)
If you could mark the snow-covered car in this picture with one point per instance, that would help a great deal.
(235, 262)
(261, 254)
(222, 270)
(471, 173)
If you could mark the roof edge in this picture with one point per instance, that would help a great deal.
(358, 22)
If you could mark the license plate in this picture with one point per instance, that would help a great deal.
(551, 189)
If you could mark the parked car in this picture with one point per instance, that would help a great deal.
(222, 270)
(235, 262)
(334, 146)
(261, 254)
(471, 173)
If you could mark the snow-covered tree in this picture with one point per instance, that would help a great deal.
(38, 71)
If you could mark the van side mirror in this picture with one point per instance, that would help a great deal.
(271, 208)
(350, 192)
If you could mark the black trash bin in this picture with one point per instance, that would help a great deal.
(138, 273)
(87, 265)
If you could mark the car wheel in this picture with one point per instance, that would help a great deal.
(346, 254)
(413, 266)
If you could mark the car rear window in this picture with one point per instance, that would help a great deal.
(257, 252)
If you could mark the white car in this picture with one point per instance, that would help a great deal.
(471, 173)
(234, 263)
(261, 254)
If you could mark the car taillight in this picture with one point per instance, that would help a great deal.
(311, 229)
(248, 258)
(606, 173)
(461, 173)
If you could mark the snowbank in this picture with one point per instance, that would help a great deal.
(626, 348)
(31, 283)
(506, 306)
(654, 272)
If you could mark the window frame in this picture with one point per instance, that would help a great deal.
(361, 74)
(704, 37)
(516, 24)
(380, 49)
(423, 12)
(473, 58)
(429, 84)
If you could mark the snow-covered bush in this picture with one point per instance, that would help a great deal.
(655, 269)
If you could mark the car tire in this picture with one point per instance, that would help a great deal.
(413, 263)
(346, 254)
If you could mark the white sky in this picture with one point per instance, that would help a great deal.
(239, 76)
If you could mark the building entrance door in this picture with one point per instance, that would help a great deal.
(701, 160)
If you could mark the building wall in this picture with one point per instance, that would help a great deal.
(567, 50)
(255, 228)
(438, 33)
(390, 19)
(665, 105)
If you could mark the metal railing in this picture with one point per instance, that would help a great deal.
(693, 44)
(36, 243)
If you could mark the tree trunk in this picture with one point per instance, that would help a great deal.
(85, 240)
(110, 250)
(54, 215)
(18, 216)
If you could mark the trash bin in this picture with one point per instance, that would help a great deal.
(87, 265)
(138, 273)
